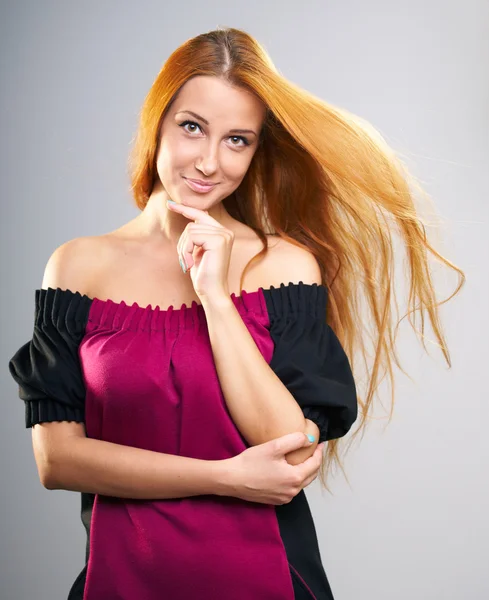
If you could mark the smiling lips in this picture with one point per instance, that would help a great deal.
(199, 187)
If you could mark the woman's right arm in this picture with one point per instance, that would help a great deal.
(66, 459)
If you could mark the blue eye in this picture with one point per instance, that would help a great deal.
(238, 137)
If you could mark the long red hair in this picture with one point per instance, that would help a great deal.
(325, 180)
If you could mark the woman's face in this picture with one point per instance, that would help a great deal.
(203, 145)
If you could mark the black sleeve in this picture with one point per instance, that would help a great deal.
(47, 368)
(309, 359)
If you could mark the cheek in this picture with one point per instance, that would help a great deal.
(235, 166)
(171, 160)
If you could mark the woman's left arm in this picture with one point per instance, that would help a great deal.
(259, 403)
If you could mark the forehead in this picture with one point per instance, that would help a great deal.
(218, 101)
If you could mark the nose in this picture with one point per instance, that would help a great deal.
(209, 160)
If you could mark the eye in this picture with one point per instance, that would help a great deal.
(235, 137)
(188, 123)
(240, 137)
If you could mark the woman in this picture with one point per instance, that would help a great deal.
(182, 403)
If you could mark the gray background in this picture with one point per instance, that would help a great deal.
(413, 523)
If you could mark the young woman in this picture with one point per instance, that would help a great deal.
(186, 368)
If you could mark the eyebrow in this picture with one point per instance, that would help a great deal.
(190, 112)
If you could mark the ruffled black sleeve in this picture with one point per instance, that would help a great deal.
(47, 368)
(309, 359)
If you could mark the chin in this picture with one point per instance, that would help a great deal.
(203, 201)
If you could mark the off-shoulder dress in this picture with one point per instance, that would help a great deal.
(145, 377)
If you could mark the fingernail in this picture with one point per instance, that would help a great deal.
(182, 265)
(311, 438)
(170, 202)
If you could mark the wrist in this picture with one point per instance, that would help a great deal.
(217, 302)
(224, 477)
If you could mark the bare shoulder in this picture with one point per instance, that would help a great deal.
(75, 264)
(288, 263)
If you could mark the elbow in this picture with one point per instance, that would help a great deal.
(48, 483)
(298, 456)
(53, 443)
(47, 475)
(306, 426)
(48, 467)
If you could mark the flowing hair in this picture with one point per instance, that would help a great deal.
(325, 180)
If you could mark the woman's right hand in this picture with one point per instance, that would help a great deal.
(262, 474)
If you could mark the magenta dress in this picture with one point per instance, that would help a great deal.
(145, 377)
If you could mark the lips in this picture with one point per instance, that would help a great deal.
(201, 181)
(199, 187)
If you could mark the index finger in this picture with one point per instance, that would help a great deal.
(195, 214)
(311, 464)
